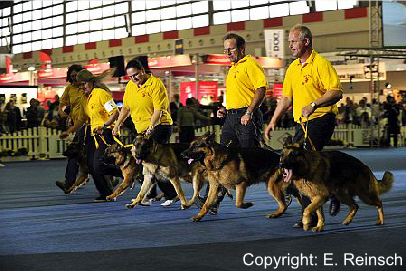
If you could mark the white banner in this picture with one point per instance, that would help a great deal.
(274, 43)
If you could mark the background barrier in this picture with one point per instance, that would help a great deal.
(44, 143)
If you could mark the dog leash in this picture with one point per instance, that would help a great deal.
(305, 130)
(115, 139)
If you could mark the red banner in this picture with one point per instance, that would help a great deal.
(14, 77)
(207, 91)
(217, 59)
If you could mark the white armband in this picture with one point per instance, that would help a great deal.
(109, 106)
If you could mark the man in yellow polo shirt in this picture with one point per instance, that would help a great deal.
(245, 90)
(312, 86)
(246, 85)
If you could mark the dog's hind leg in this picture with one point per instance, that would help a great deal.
(320, 222)
(197, 186)
(145, 187)
(240, 190)
(347, 199)
(372, 198)
(276, 190)
(211, 200)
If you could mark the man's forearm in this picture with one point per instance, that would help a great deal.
(155, 118)
(329, 98)
(258, 98)
(281, 108)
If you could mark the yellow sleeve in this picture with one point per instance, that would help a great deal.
(126, 95)
(328, 76)
(64, 100)
(159, 95)
(287, 84)
(107, 101)
(256, 75)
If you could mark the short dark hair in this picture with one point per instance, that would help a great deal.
(74, 67)
(190, 101)
(135, 64)
(240, 41)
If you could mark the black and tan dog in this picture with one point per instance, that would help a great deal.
(130, 170)
(165, 163)
(78, 151)
(237, 168)
(321, 174)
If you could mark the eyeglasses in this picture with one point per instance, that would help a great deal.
(134, 76)
(229, 50)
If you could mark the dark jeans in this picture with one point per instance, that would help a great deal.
(186, 134)
(94, 161)
(72, 168)
(240, 135)
(162, 134)
(319, 130)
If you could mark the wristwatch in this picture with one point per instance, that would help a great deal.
(248, 113)
(313, 105)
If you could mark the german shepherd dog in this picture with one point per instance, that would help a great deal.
(130, 169)
(165, 163)
(236, 168)
(78, 151)
(321, 174)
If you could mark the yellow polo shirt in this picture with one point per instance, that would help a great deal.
(243, 78)
(100, 105)
(308, 82)
(143, 100)
(76, 99)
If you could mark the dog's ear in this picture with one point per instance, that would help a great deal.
(288, 141)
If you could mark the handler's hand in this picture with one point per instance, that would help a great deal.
(98, 130)
(307, 111)
(116, 129)
(221, 113)
(270, 127)
(245, 119)
(63, 135)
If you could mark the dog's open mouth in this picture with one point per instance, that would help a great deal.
(287, 175)
(189, 161)
(138, 160)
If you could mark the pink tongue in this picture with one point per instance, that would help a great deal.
(287, 176)
(138, 161)
(190, 161)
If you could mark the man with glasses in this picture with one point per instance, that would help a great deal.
(245, 90)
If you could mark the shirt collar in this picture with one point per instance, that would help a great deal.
(242, 60)
(310, 60)
(148, 82)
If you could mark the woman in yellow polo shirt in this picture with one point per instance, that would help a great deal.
(102, 111)
(146, 99)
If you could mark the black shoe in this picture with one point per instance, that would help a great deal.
(100, 198)
(298, 224)
(214, 210)
(61, 185)
(334, 207)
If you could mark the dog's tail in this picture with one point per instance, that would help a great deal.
(386, 183)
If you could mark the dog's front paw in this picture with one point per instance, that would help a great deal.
(347, 221)
(318, 228)
(274, 215)
(306, 227)
(129, 206)
(184, 206)
(196, 218)
(111, 198)
(379, 222)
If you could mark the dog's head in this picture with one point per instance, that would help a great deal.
(199, 148)
(292, 159)
(142, 147)
(111, 153)
(73, 149)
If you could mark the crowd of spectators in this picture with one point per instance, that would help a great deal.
(14, 119)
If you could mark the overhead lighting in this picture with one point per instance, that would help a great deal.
(31, 68)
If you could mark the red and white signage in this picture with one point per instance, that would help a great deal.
(217, 59)
(169, 62)
(207, 90)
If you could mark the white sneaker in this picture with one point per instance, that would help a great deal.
(167, 202)
(1, 165)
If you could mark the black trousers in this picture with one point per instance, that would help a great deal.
(94, 161)
(72, 168)
(236, 133)
(320, 131)
(186, 134)
(162, 134)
